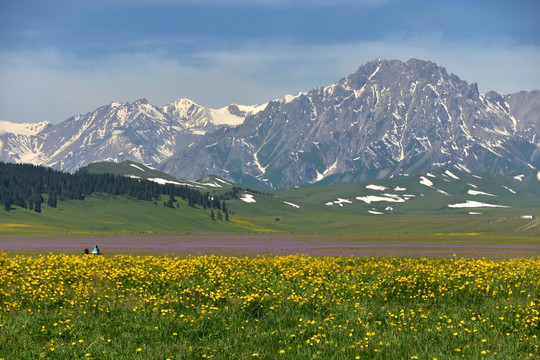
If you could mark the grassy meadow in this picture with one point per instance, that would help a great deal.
(106, 215)
(285, 307)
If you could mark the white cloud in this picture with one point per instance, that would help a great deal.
(50, 85)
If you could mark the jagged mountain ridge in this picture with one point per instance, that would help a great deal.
(388, 118)
(138, 131)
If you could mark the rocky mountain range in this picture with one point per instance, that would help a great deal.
(138, 131)
(386, 119)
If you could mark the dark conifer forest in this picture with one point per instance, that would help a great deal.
(27, 186)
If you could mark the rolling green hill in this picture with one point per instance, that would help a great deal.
(441, 201)
(439, 190)
(139, 171)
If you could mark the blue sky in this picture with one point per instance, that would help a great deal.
(61, 58)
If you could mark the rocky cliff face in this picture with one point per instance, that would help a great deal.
(525, 106)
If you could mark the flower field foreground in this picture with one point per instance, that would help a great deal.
(290, 307)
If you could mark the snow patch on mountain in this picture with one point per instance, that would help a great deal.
(289, 98)
(27, 129)
(261, 168)
(475, 192)
(224, 181)
(137, 167)
(447, 172)
(376, 187)
(164, 182)
(507, 188)
(222, 116)
(248, 198)
(425, 181)
(443, 192)
(325, 173)
(339, 202)
(291, 204)
(475, 204)
(385, 197)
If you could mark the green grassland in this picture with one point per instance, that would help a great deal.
(302, 210)
(110, 215)
(105, 215)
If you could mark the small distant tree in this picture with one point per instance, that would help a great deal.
(37, 207)
(52, 200)
(212, 214)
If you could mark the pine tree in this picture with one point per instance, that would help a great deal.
(37, 207)
(212, 214)
(51, 200)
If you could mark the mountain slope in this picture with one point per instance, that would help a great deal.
(386, 119)
(443, 190)
(18, 142)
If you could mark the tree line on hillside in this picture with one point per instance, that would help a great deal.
(25, 185)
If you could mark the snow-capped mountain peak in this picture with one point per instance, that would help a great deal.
(200, 119)
(27, 129)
